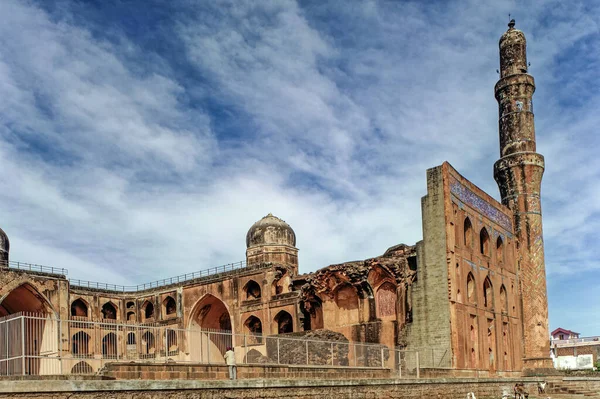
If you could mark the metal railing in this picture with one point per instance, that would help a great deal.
(595, 339)
(33, 267)
(159, 283)
(33, 344)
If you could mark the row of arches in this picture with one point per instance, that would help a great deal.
(81, 343)
(487, 293)
(484, 241)
(80, 309)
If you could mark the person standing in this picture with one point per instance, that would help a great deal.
(230, 360)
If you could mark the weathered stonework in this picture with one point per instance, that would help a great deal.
(519, 176)
(473, 291)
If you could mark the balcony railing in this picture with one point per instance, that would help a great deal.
(33, 267)
(160, 283)
(575, 340)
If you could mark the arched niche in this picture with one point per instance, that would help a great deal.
(148, 345)
(148, 310)
(169, 306)
(252, 290)
(471, 288)
(488, 293)
(80, 344)
(503, 300)
(109, 346)
(385, 300)
(468, 233)
(109, 311)
(346, 301)
(253, 327)
(499, 250)
(82, 368)
(312, 312)
(79, 308)
(484, 242)
(284, 322)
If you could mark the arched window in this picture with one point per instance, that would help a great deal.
(131, 338)
(471, 287)
(499, 250)
(172, 342)
(80, 343)
(488, 299)
(468, 233)
(109, 346)
(170, 306)
(79, 308)
(284, 322)
(130, 316)
(148, 308)
(252, 290)
(484, 242)
(503, 300)
(82, 368)
(254, 328)
(130, 305)
(109, 311)
(148, 345)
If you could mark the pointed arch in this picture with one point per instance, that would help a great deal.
(253, 327)
(499, 250)
(285, 323)
(131, 338)
(79, 308)
(82, 368)
(346, 300)
(471, 288)
(24, 297)
(468, 233)
(109, 311)
(503, 299)
(211, 313)
(148, 310)
(484, 242)
(109, 346)
(252, 290)
(80, 344)
(488, 294)
(169, 306)
(386, 300)
(148, 345)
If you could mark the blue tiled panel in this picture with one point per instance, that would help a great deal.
(467, 196)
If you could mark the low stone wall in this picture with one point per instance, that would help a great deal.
(261, 388)
(152, 371)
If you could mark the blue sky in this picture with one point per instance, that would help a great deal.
(140, 140)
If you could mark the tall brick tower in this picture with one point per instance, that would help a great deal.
(518, 173)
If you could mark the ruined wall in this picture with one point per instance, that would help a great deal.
(430, 327)
(483, 284)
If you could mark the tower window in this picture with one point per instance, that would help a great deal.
(499, 250)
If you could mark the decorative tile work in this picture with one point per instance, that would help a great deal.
(469, 197)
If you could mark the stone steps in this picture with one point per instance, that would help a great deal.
(571, 389)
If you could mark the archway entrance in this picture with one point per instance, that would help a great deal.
(212, 324)
(28, 333)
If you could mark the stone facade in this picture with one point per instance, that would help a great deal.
(473, 289)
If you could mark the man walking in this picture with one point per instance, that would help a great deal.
(230, 360)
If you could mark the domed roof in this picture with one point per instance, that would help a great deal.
(270, 230)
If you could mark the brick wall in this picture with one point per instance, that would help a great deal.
(431, 313)
(292, 389)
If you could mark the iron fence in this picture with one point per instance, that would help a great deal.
(33, 344)
(159, 283)
(32, 267)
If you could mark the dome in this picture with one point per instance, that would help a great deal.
(270, 230)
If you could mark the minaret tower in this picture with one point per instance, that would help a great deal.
(518, 173)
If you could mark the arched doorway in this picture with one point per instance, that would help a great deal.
(30, 338)
(212, 323)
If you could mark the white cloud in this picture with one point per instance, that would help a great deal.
(124, 174)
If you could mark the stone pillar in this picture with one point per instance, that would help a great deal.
(519, 176)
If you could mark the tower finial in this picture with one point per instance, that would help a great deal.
(511, 24)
